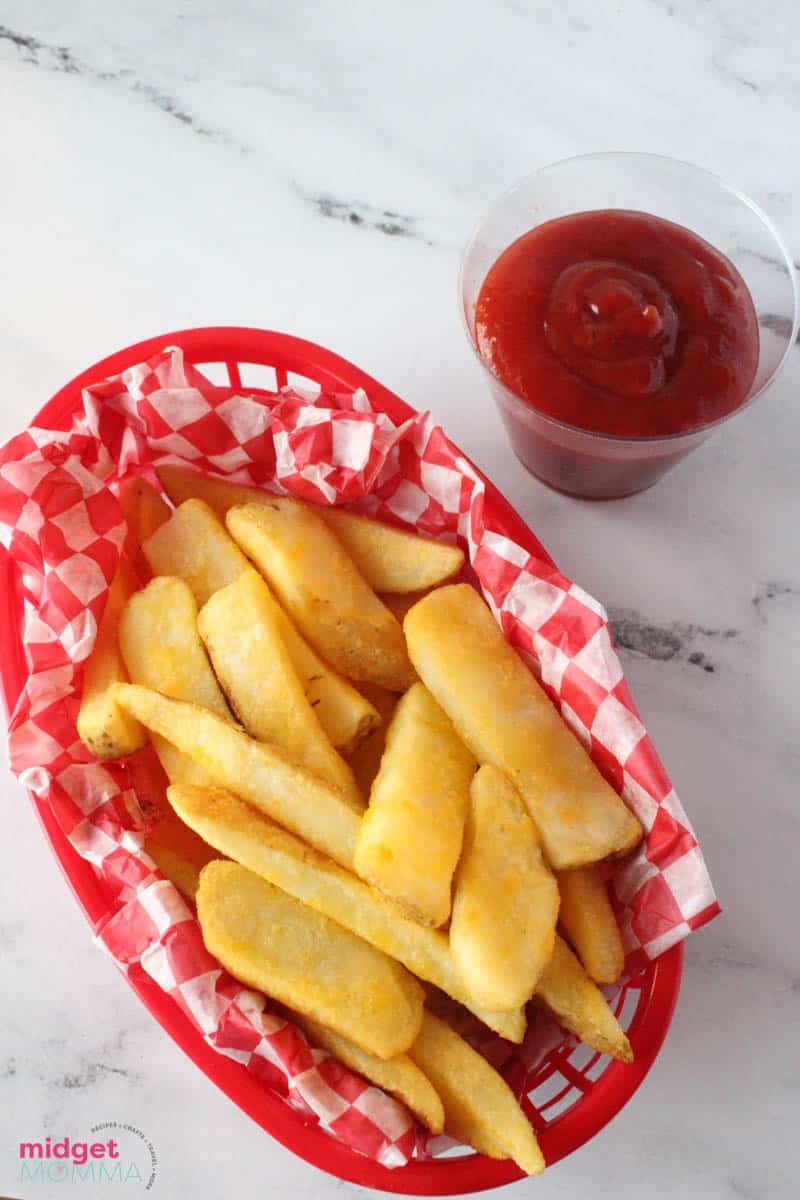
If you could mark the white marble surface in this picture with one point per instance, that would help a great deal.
(315, 167)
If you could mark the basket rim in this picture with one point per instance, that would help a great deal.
(233, 346)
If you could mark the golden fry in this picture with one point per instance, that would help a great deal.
(506, 719)
(180, 871)
(398, 1076)
(479, 1107)
(365, 759)
(393, 559)
(107, 730)
(253, 770)
(346, 716)
(162, 650)
(399, 603)
(197, 547)
(389, 558)
(505, 903)
(145, 509)
(589, 922)
(243, 639)
(237, 830)
(271, 941)
(193, 544)
(103, 726)
(579, 1005)
(178, 852)
(322, 591)
(459, 1018)
(183, 671)
(410, 838)
(184, 483)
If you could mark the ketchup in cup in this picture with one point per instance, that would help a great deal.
(616, 339)
(619, 322)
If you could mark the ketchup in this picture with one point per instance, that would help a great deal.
(621, 323)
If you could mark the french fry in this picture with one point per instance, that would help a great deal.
(243, 640)
(400, 602)
(322, 591)
(144, 508)
(399, 1076)
(346, 716)
(589, 922)
(162, 650)
(193, 544)
(390, 559)
(145, 511)
(174, 866)
(183, 483)
(505, 902)
(271, 941)
(161, 645)
(579, 1005)
(459, 1018)
(505, 718)
(479, 1107)
(178, 852)
(237, 830)
(365, 759)
(178, 767)
(257, 772)
(410, 838)
(103, 726)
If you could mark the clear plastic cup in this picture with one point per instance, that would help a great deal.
(599, 466)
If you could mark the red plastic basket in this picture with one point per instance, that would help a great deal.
(574, 1092)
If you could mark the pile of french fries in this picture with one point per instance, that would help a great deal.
(380, 816)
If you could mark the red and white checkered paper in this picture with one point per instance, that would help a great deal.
(61, 522)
